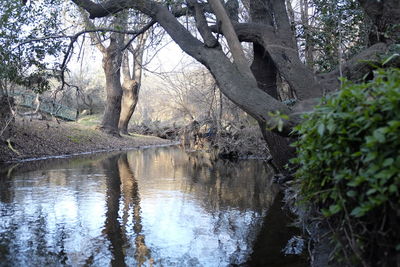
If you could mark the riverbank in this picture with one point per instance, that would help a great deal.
(29, 139)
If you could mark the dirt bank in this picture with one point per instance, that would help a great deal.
(40, 138)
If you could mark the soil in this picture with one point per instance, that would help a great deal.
(33, 138)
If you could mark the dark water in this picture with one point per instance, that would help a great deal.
(152, 207)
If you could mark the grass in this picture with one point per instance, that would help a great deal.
(75, 139)
(90, 120)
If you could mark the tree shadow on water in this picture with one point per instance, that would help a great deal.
(122, 188)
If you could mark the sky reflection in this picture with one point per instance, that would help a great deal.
(158, 206)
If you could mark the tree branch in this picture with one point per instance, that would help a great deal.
(139, 32)
(202, 26)
(93, 35)
(104, 9)
(232, 39)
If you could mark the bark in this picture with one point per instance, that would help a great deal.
(230, 80)
(202, 26)
(284, 54)
(233, 41)
(355, 68)
(265, 72)
(112, 59)
(308, 53)
(131, 83)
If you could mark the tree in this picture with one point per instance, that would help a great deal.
(235, 79)
(112, 59)
(131, 81)
(121, 98)
(24, 53)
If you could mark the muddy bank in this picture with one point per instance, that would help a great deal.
(40, 138)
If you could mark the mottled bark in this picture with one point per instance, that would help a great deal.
(130, 98)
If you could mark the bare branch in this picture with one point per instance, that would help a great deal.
(232, 39)
(104, 9)
(202, 26)
(141, 31)
(75, 37)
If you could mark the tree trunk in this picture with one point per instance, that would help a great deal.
(129, 101)
(232, 78)
(265, 72)
(131, 83)
(112, 58)
(308, 50)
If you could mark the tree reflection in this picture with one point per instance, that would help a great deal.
(243, 185)
(112, 227)
(194, 210)
(6, 194)
(132, 199)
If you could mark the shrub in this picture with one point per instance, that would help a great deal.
(348, 158)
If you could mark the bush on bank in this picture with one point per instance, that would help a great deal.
(348, 153)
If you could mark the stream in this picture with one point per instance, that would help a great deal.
(158, 206)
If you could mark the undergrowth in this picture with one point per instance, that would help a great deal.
(348, 158)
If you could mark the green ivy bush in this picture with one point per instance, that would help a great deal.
(348, 158)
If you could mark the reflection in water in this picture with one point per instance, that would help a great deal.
(112, 227)
(132, 208)
(154, 207)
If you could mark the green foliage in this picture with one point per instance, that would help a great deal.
(349, 166)
(277, 119)
(339, 24)
(24, 52)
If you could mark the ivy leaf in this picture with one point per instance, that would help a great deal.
(357, 212)
(321, 129)
(333, 209)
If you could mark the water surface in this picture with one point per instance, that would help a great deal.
(152, 207)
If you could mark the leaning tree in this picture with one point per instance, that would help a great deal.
(269, 29)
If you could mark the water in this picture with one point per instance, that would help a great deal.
(152, 207)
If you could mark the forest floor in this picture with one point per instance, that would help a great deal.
(30, 139)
